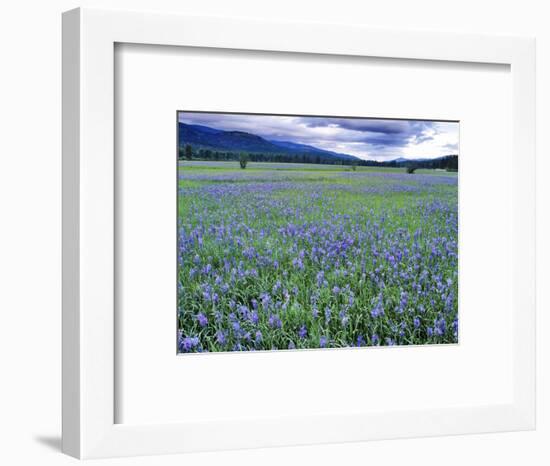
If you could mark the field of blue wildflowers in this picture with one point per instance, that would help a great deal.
(285, 256)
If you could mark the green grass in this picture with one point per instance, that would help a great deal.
(373, 213)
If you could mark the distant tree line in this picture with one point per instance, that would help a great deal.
(448, 162)
(188, 152)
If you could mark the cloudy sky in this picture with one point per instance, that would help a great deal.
(364, 138)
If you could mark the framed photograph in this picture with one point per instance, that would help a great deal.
(287, 245)
(275, 238)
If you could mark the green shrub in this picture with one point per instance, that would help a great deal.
(243, 160)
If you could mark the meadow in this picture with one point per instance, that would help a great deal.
(291, 256)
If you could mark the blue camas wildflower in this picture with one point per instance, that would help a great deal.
(315, 259)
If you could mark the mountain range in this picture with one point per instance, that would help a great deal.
(405, 160)
(204, 137)
(211, 143)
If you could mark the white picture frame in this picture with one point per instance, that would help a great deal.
(89, 38)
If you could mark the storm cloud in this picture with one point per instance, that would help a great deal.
(367, 138)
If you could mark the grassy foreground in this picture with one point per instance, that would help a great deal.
(284, 256)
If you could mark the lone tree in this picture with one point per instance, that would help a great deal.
(354, 166)
(188, 152)
(411, 169)
(243, 160)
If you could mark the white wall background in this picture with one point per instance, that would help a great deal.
(30, 226)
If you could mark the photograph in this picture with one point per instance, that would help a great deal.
(315, 232)
(268, 233)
